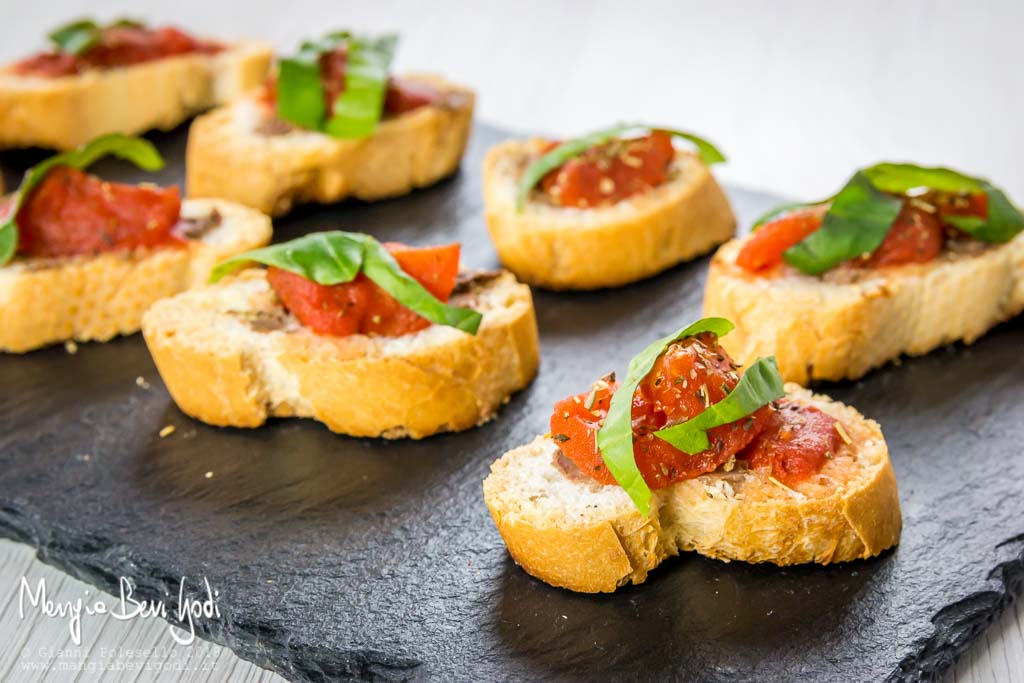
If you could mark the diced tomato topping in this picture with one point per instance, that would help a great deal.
(360, 306)
(71, 213)
(766, 246)
(118, 46)
(405, 96)
(916, 236)
(690, 375)
(611, 172)
(795, 444)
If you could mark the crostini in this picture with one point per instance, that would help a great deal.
(605, 209)
(331, 124)
(902, 260)
(81, 258)
(121, 78)
(371, 340)
(686, 454)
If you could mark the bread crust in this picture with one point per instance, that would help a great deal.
(822, 329)
(229, 157)
(63, 113)
(94, 298)
(600, 541)
(568, 248)
(230, 355)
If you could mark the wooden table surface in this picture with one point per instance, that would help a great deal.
(797, 94)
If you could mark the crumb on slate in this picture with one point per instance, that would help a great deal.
(167, 431)
(71, 346)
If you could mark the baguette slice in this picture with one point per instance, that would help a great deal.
(241, 152)
(63, 113)
(568, 248)
(569, 531)
(94, 298)
(846, 323)
(231, 355)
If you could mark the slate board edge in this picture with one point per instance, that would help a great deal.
(956, 626)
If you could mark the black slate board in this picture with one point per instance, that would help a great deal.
(360, 559)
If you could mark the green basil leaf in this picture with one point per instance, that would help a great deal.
(570, 149)
(335, 257)
(1003, 223)
(77, 37)
(706, 151)
(381, 267)
(327, 258)
(902, 178)
(140, 152)
(300, 92)
(855, 224)
(760, 385)
(615, 437)
(360, 105)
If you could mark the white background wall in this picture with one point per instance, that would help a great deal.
(796, 93)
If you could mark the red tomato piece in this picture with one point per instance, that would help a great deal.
(360, 306)
(686, 378)
(401, 96)
(916, 236)
(766, 246)
(118, 46)
(71, 213)
(796, 443)
(336, 310)
(611, 172)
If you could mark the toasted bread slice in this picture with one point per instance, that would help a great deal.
(63, 113)
(231, 355)
(241, 152)
(567, 530)
(94, 298)
(567, 248)
(849, 321)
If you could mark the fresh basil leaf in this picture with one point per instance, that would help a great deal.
(615, 437)
(300, 92)
(335, 257)
(360, 105)
(140, 152)
(855, 224)
(77, 37)
(1003, 223)
(760, 385)
(902, 178)
(327, 258)
(706, 151)
(381, 267)
(570, 149)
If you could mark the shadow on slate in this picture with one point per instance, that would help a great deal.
(340, 558)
